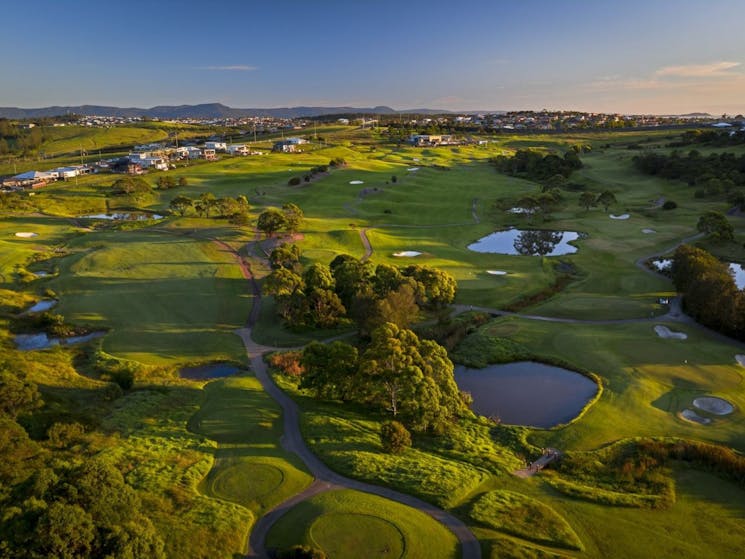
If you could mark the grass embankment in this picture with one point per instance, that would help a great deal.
(350, 524)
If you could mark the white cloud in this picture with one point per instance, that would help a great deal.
(714, 70)
(234, 68)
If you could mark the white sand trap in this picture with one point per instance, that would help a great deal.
(663, 264)
(415, 159)
(648, 231)
(665, 332)
(693, 417)
(740, 358)
(26, 234)
(622, 216)
(716, 406)
(356, 182)
(40, 274)
(496, 272)
(406, 253)
(413, 169)
(520, 211)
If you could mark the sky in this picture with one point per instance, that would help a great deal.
(627, 56)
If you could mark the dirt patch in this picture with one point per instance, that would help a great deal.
(716, 406)
(666, 333)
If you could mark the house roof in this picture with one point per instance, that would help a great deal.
(33, 175)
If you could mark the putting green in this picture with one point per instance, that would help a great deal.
(339, 534)
(245, 481)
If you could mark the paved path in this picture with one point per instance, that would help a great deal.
(325, 479)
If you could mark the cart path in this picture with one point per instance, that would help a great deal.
(292, 441)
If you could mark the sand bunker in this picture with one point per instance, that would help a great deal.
(663, 264)
(648, 231)
(412, 169)
(26, 234)
(716, 406)
(42, 306)
(665, 332)
(496, 272)
(740, 358)
(692, 416)
(356, 182)
(415, 159)
(40, 274)
(622, 216)
(407, 253)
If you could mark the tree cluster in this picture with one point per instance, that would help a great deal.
(709, 137)
(589, 200)
(710, 294)
(409, 378)
(130, 186)
(714, 174)
(273, 220)
(166, 182)
(350, 289)
(235, 209)
(535, 166)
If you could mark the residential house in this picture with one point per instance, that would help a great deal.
(238, 149)
(217, 146)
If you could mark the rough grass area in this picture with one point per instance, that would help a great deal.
(521, 516)
(348, 524)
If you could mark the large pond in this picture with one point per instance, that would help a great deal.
(527, 242)
(28, 342)
(134, 216)
(527, 393)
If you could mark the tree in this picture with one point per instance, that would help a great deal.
(301, 552)
(293, 217)
(716, 226)
(183, 181)
(330, 370)
(134, 539)
(587, 200)
(353, 278)
(181, 204)
(323, 308)
(438, 286)
(283, 282)
(398, 307)
(65, 531)
(165, 182)
(130, 186)
(285, 256)
(17, 395)
(318, 276)
(205, 203)
(606, 199)
(411, 378)
(394, 437)
(271, 221)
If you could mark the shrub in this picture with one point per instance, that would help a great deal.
(301, 552)
(394, 437)
(288, 362)
(669, 205)
(294, 181)
(64, 435)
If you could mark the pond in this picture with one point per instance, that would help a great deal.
(27, 342)
(527, 242)
(527, 393)
(123, 216)
(206, 372)
(738, 271)
(43, 305)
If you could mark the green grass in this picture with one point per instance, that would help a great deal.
(349, 524)
(526, 518)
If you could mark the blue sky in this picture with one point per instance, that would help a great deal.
(657, 56)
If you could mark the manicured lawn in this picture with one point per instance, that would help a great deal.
(349, 524)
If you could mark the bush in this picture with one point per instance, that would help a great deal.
(669, 205)
(288, 362)
(62, 435)
(394, 437)
(294, 181)
(301, 552)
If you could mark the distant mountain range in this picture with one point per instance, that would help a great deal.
(205, 110)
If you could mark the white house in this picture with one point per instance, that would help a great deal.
(158, 163)
(217, 146)
(65, 173)
(238, 149)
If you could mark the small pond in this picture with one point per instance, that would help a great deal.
(738, 271)
(27, 342)
(526, 393)
(123, 216)
(206, 372)
(528, 242)
(43, 305)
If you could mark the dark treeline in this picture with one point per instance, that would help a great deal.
(535, 166)
(717, 173)
(709, 137)
(710, 294)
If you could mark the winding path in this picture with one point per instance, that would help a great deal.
(292, 441)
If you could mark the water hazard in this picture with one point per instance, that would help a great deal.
(527, 393)
(527, 242)
(206, 372)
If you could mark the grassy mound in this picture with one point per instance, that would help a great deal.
(350, 524)
(518, 515)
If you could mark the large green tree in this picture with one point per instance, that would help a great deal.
(330, 370)
(716, 226)
(271, 221)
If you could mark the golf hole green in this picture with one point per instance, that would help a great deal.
(245, 482)
(352, 535)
